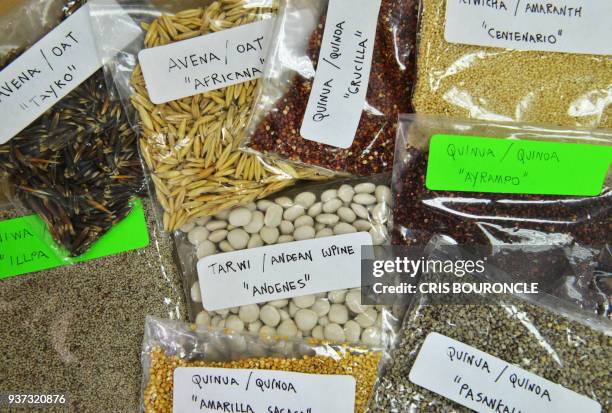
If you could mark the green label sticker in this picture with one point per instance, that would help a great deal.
(479, 164)
(24, 244)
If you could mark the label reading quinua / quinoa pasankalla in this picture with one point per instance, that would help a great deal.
(484, 383)
(480, 164)
(24, 243)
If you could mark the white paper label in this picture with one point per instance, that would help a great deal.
(204, 389)
(339, 89)
(571, 26)
(47, 72)
(280, 271)
(485, 383)
(207, 62)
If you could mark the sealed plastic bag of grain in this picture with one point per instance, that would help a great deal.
(189, 82)
(516, 61)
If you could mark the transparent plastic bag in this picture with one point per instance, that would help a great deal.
(79, 327)
(557, 240)
(168, 345)
(466, 81)
(189, 145)
(77, 165)
(543, 336)
(274, 128)
(296, 214)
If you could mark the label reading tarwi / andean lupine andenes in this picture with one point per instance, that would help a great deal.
(338, 93)
(281, 271)
(569, 26)
(484, 383)
(48, 71)
(513, 166)
(206, 389)
(204, 63)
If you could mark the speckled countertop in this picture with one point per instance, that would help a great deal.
(78, 330)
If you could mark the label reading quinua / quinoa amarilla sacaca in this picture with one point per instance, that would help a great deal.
(49, 70)
(208, 389)
(566, 26)
(480, 164)
(24, 243)
(281, 271)
(485, 383)
(212, 61)
(338, 93)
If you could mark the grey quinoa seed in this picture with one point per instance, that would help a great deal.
(500, 330)
(77, 330)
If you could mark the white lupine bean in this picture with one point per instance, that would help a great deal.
(293, 212)
(255, 241)
(284, 201)
(286, 227)
(360, 211)
(196, 294)
(264, 204)
(332, 206)
(256, 223)
(344, 228)
(225, 246)
(238, 238)
(346, 193)
(284, 239)
(328, 195)
(334, 332)
(362, 225)
(303, 233)
(269, 234)
(306, 199)
(218, 235)
(197, 235)
(325, 232)
(364, 199)
(327, 219)
(315, 209)
(365, 187)
(383, 194)
(304, 220)
(346, 214)
(205, 249)
(274, 216)
(240, 217)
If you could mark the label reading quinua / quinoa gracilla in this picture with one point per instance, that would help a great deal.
(24, 243)
(339, 88)
(485, 383)
(479, 164)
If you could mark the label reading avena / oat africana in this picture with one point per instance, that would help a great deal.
(339, 89)
(570, 26)
(198, 389)
(486, 383)
(277, 272)
(47, 72)
(207, 62)
(25, 243)
(512, 166)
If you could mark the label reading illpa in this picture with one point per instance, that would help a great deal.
(485, 383)
(512, 166)
(281, 271)
(338, 93)
(205, 389)
(48, 71)
(570, 26)
(205, 63)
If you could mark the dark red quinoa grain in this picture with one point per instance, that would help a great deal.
(388, 95)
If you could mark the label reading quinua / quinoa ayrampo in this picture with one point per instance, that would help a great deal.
(339, 88)
(485, 383)
(568, 26)
(25, 248)
(479, 164)
(207, 389)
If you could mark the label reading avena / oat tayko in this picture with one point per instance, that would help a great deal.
(340, 85)
(198, 389)
(48, 71)
(485, 383)
(281, 271)
(512, 166)
(25, 248)
(204, 63)
(569, 26)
